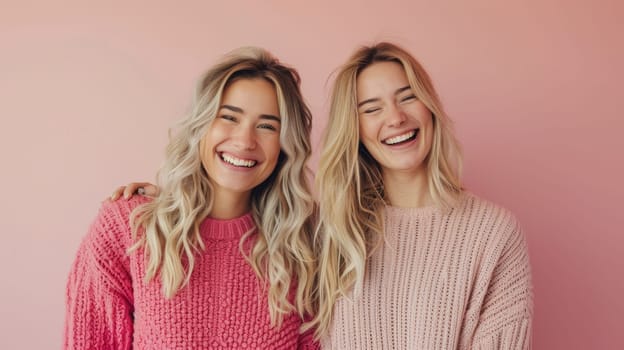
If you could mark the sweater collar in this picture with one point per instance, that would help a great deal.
(226, 229)
(413, 212)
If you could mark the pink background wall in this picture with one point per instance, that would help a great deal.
(88, 91)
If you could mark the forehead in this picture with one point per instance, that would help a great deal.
(380, 78)
(254, 95)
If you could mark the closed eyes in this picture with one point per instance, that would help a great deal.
(372, 110)
(408, 98)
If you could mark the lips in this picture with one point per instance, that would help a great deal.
(238, 162)
(402, 138)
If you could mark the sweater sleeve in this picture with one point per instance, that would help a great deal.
(99, 304)
(307, 342)
(506, 313)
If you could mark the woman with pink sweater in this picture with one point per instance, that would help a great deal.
(221, 258)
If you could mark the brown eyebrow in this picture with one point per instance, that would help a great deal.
(376, 99)
(262, 116)
(233, 108)
(270, 117)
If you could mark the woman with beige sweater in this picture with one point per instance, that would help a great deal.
(408, 259)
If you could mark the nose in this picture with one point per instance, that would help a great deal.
(396, 116)
(244, 137)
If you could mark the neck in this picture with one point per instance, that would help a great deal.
(407, 189)
(230, 205)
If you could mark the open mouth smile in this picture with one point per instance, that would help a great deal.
(400, 139)
(238, 162)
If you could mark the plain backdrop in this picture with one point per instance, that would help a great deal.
(88, 90)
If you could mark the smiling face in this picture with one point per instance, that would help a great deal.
(241, 146)
(395, 127)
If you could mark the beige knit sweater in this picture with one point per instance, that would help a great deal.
(454, 280)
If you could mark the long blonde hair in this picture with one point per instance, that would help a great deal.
(282, 206)
(349, 181)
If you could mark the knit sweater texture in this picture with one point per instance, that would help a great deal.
(224, 305)
(457, 279)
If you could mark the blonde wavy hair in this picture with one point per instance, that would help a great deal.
(282, 206)
(349, 181)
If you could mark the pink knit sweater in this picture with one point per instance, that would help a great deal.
(223, 307)
(456, 280)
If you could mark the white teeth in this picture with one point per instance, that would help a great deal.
(238, 162)
(400, 138)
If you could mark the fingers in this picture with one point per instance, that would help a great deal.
(140, 188)
(117, 193)
(135, 188)
(131, 188)
(150, 190)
